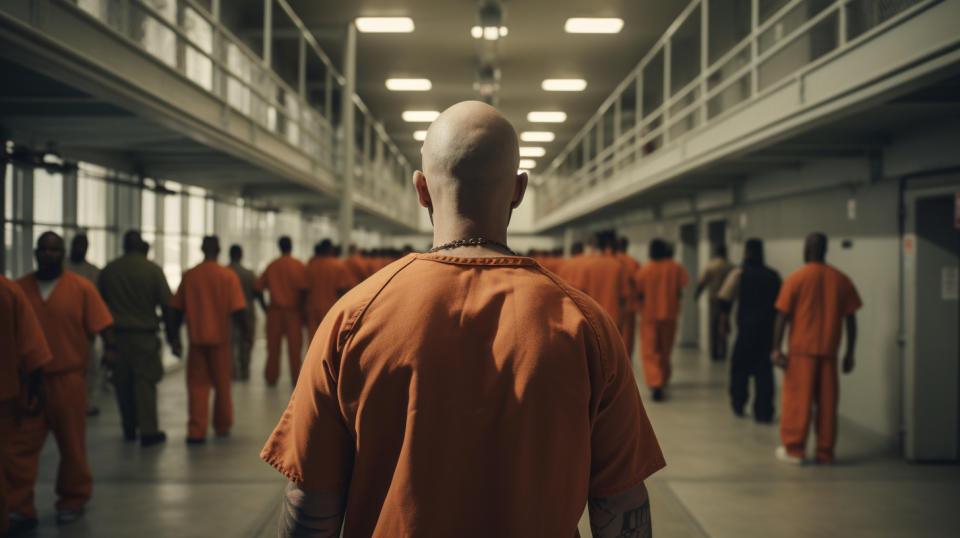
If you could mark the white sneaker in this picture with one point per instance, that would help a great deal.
(785, 457)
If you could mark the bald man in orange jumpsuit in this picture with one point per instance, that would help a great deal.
(600, 275)
(72, 313)
(440, 396)
(327, 280)
(659, 284)
(21, 372)
(286, 280)
(209, 294)
(815, 301)
(628, 320)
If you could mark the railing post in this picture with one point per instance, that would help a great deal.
(667, 58)
(704, 52)
(349, 138)
(302, 69)
(754, 47)
(219, 76)
(267, 32)
(842, 23)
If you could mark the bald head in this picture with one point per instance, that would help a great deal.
(815, 247)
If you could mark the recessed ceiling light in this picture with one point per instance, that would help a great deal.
(537, 136)
(385, 25)
(491, 33)
(424, 116)
(532, 151)
(587, 25)
(504, 31)
(408, 84)
(420, 135)
(527, 164)
(564, 84)
(547, 117)
(476, 32)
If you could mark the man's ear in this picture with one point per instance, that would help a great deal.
(423, 194)
(519, 189)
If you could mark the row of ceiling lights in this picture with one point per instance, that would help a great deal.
(575, 25)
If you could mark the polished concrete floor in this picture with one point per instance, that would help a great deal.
(721, 479)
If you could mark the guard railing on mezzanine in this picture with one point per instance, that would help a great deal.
(716, 58)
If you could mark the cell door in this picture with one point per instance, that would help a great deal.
(932, 324)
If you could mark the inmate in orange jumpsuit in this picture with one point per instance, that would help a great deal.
(602, 277)
(659, 283)
(327, 279)
(357, 266)
(24, 350)
(71, 316)
(628, 320)
(208, 294)
(286, 279)
(435, 443)
(817, 298)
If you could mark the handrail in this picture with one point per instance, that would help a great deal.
(698, 106)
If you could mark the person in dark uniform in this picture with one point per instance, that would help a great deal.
(755, 286)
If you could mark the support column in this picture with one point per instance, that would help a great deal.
(302, 69)
(567, 241)
(349, 138)
(69, 210)
(267, 32)
(22, 262)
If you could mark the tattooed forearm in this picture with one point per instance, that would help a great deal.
(623, 516)
(310, 515)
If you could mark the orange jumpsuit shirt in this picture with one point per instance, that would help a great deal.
(286, 278)
(602, 277)
(357, 267)
(21, 339)
(660, 283)
(71, 316)
(465, 397)
(208, 294)
(817, 298)
(326, 276)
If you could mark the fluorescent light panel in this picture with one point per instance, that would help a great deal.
(590, 25)
(423, 116)
(564, 84)
(537, 136)
(385, 25)
(420, 135)
(490, 33)
(408, 84)
(532, 151)
(526, 164)
(547, 117)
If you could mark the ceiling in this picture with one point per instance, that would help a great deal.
(442, 50)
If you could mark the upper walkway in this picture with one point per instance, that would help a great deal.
(165, 90)
(731, 87)
(721, 478)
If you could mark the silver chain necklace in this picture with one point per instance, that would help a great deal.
(472, 242)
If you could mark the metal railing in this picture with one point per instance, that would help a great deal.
(192, 41)
(717, 57)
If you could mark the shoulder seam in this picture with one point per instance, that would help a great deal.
(593, 326)
(352, 322)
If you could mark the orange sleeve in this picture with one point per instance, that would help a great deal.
(31, 343)
(851, 299)
(237, 300)
(178, 301)
(96, 315)
(787, 299)
(624, 449)
(312, 445)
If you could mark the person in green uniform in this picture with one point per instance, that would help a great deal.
(133, 287)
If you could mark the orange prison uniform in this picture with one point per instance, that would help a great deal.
(326, 276)
(357, 267)
(817, 298)
(659, 283)
(71, 316)
(628, 319)
(207, 295)
(465, 397)
(602, 277)
(286, 278)
(24, 350)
